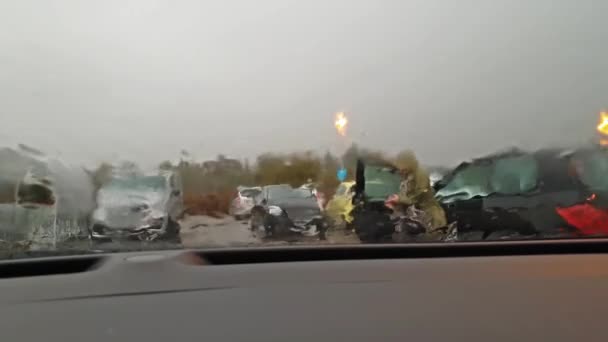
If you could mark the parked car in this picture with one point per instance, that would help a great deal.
(320, 197)
(590, 216)
(375, 181)
(283, 211)
(338, 209)
(43, 200)
(516, 194)
(139, 207)
(244, 201)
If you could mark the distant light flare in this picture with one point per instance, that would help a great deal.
(341, 123)
(602, 128)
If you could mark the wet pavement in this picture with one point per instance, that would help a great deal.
(201, 231)
(196, 232)
(204, 230)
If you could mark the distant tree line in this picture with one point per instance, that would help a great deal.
(210, 185)
(214, 181)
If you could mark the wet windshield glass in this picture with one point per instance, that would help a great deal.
(250, 193)
(140, 124)
(593, 170)
(151, 183)
(381, 182)
(514, 175)
(35, 194)
(302, 193)
(509, 175)
(285, 192)
(468, 182)
(341, 190)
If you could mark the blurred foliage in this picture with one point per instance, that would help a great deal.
(165, 166)
(102, 174)
(328, 180)
(210, 186)
(14, 167)
(127, 168)
(294, 169)
(35, 193)
(7, 193)
(211, 204)
(213, 176)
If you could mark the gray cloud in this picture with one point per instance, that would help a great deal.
(145, 78)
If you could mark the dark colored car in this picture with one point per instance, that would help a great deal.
(589, 217)
(375, 182)
(282, 211)
(518, 194)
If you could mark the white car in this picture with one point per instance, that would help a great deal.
(140, 207)
(241, 205)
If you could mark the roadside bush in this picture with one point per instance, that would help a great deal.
(210, 204)
(210, 186)
(294, 169)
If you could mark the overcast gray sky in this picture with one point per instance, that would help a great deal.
(143, 79)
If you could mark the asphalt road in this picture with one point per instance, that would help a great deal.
(202, 231)
(196, 232)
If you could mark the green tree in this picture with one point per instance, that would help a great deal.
(102, 174)
(165, 166)
(294, 169)
(328, 181)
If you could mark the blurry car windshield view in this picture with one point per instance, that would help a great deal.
(166, 125)
(138, 183)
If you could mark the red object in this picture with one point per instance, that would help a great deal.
(320, 199)
(391, 201)
(588, 219)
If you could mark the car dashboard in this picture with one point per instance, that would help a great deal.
(504, 291)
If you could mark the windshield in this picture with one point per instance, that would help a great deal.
(302, 193)
(132, 192)
(141, 124)
(592, 168)
(508, 175)
(381, 182)
(136, 184)
(250, 192)
(286, 192)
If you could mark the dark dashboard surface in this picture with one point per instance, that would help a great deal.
(170, 296)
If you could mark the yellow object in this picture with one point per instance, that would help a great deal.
(340, 207)
(602, 128)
